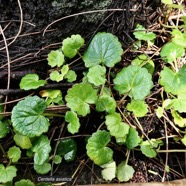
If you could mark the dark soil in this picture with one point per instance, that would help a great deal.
(29, 52)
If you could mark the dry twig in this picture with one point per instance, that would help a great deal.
(20, 26)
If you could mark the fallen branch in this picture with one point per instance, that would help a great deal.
(6, 92)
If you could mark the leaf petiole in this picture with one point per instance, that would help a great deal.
(99, 128)
(2, 149)
(102, 89)
(173, 150)
(128, 155)
(122, 99)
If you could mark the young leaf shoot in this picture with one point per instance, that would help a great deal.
(14, 153)
(70, 76)
(73, 126)
(56, 58)
(57, 159)
(149, 148)
(141, 34)
(52, 96)
(96, 75)
(145, 62)
(138, 107)
(71, 45)
(56, 76)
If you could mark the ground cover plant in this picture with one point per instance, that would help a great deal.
(108, 98)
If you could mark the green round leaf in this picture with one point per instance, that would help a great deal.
(138, 107)
(106, 103)
(124, 172)
(132, 138)
(42, 148)
(104, 48)
(79, 97)
(29, 153)
(173, 82)
(52, 96)
(73, 126)
(55, 58)
(109, 171)
(56, 76)
(145, 62)
(7, 174)
(149, 148)
(70, 76)
(71, 45)
(67, 148)
(24, 182)
(27, 117)
(117, 128)
(51, 93)
(4, 128)
(22, 141)
(57, 159)
(179, 103)
(14, 153)
(106, 91)
(64, 69)
(97, 150)
(96, 75)
(134, 81)
(171, 51)
(42, 169)
(31, 81)
(179, 38)
(141, 34)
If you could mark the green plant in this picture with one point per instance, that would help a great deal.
(7, 173)
(114, 94)
(142, 35)
(31, 81)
